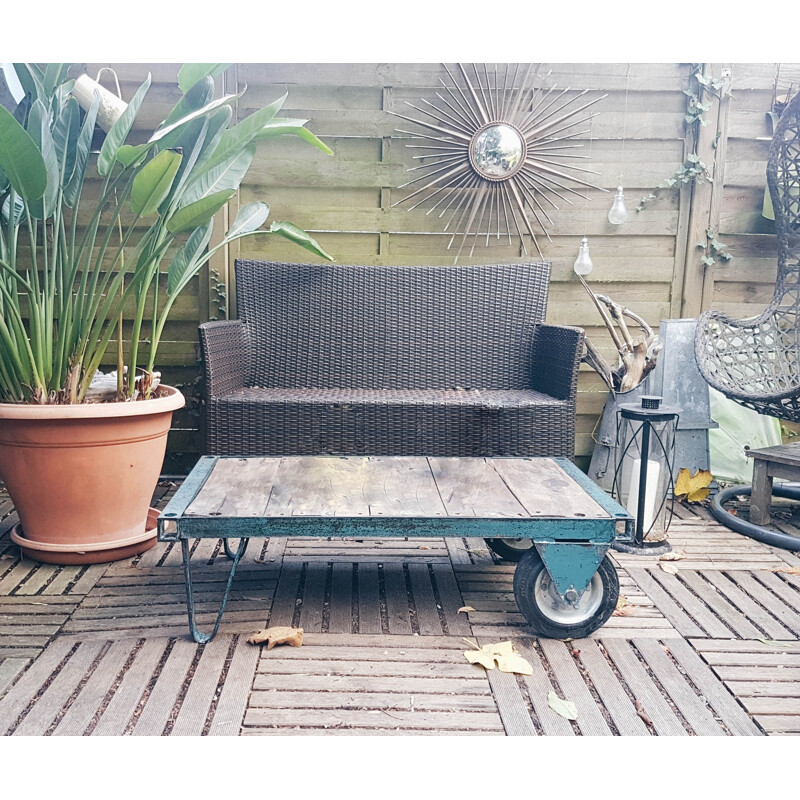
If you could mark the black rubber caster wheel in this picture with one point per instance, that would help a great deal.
(548, 614)
(509, 549)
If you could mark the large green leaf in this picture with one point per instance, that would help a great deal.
(281, 126)
(198, 213)
(297, 235)
(198, 96)
(182, 266)
(116, 137)
(207, 109)
(32, 80)
(53, 75)
(129, 154)
(65, 137)
(39, 129)
(19, 210)
(224, 176)
(250, 217)
(153, 183)
(73, 189)
(21, 159)
(190, 74)
(240, 135)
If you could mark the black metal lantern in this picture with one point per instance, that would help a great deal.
(643, 474)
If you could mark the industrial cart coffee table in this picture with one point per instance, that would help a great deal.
(565, 585)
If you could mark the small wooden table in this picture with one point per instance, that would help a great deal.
(563, 584)
(781, 461)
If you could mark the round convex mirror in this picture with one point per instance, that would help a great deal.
(497, 151)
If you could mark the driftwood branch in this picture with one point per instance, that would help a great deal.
(637, 352)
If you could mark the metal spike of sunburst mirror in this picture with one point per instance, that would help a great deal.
(497, 153)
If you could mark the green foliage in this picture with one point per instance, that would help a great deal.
(693, 170)
(96, 231)
(713, 249)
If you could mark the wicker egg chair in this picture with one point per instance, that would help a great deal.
(756, 362)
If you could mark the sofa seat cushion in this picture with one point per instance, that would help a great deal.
(347, 421)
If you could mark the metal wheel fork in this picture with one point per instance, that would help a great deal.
(197, 635)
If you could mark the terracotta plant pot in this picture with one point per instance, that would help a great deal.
(82, 476)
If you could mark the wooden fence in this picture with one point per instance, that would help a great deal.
(651, 263)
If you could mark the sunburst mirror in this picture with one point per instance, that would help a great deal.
(498, 153)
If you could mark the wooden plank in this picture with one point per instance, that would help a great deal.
(202, 689)
(692, 605)
(9, 669)
(369, 605)
(510, 704)
(789, 617)
(745, 646)
(390, 701)
(285, 601)
(691, 707)
(610, 690)
(48, 705)
(397, 605)
(644, 690)
(399, 668)
(538, 685)
(590, 719)
(236, 487)
(229, 713)
(471, 487)
(743, 601)
(665, 603)
(450, 596)
(764, 688)
(714, 600)
(757, 673)
(415, 686)
(324, 487)
(544, 489)
(779, 724)
(87, 703)
(161, 701)
(340, 618)
(25, 689)
(400, 487)
(425, 605)
(735, 720)
(414, 720)
(772, 705)
(126, 697)
(311, 609)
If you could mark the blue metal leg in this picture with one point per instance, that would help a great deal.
(199, 637)
(228, 551)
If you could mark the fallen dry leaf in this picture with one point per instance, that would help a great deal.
(424, 547)
(575, 651)
(624, 608)
(278, 635)
(642, 713)
(501, 654)
(566, 708)
(465, 609)
(673, 556)
(789, 571)
(693, 488)
(671, 568)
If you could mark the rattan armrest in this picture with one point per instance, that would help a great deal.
(556, 356)
(223, 346)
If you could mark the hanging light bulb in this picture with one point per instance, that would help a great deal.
(583, 263)
(618, 213)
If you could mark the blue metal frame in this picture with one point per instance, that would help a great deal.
(558, 539)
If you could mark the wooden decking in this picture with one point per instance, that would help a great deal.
(711, 650)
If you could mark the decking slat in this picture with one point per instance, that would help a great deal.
(230, 710)
(397, 609)
(644, 690)
(424, 600)
(590, 719)
(340, 618)
(197, 701)
(311, 610)
(158, 706)
(610, 690)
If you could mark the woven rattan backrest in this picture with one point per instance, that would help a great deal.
(783, 179)
(335, 326)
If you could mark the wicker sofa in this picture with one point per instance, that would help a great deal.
(358, 360)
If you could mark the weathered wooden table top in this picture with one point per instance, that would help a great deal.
(394, 486)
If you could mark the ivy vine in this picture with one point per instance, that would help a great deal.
(713, 249)
(693, 170)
